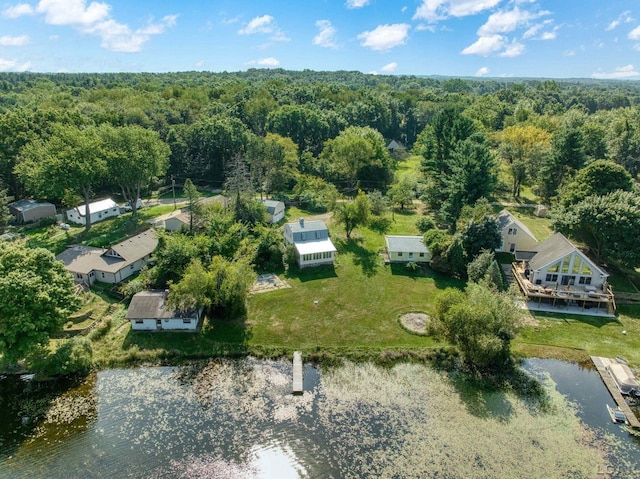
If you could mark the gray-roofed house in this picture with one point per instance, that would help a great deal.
(558, 270)
(515, 235)
(177, 221)
(113, 265)
(311, 240)
(149, 311)
(99, 211)
(405, 249)
(275, 210)
(27, 210)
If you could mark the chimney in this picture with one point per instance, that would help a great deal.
(301, 222)
(166, 295)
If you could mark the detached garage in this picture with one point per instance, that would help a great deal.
(27, 211)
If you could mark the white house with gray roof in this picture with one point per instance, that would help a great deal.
(99, 211)
(311, 240)
(515, 235)
(149, 311)
(557, 263)
(405, 249)
(112, 265)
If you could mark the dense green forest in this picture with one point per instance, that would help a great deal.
(208, 119)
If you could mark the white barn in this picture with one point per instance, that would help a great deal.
(99, 210)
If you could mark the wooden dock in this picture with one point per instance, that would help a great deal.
(601, 365)
(297, 373)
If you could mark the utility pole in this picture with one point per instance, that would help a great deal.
(173, 188)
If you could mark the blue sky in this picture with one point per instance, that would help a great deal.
(490, 38)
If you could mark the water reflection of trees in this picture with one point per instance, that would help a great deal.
(38, 412)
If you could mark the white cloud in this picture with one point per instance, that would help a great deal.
(569, 53)
(357, 3)
(118, 37)
(513, 50)
(265, 24)
(94, 19)
(200, 64)
(13, 66)
(265, 62)
(326, 36)
(548, 35)
(482, 72)
(389, 67)
(421, 27)
(435, 10)
(627, 71)
(625, 17)
(635, 33)
(18, 10)
(72, 12)
(485, 46)
(507, 21)
(19, 41)
(385, 37)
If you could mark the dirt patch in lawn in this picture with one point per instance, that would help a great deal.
(268, 282)
(415, 322)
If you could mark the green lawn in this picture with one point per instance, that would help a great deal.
(540, 227)
(582, 336)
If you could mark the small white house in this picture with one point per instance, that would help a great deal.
(312, 243)
(515, 235)
(149, 311)
(275, 210)
(406, 249)
(99, 210)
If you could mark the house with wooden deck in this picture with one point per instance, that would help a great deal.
(406, 249)
(556, 272)
(515, 235)
(312, 242)
(150, 311)
(109, 265)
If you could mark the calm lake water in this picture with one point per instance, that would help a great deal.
(237, 419)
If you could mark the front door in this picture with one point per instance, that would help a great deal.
(158, 324)
(512, 247)
(568, 280)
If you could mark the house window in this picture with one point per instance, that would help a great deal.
(103, 275)
(513, 231)
(139, 321)
(568, 280)
(584, 280)
(551, 278)
(186, 321)
(422, 255)
(131, 267)
(554, 268)
(565, 265)
(400, 253)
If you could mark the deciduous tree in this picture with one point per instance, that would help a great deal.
(72, 159)
(36, 298)
(480, 322)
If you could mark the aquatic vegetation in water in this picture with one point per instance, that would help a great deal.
(225, 418)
